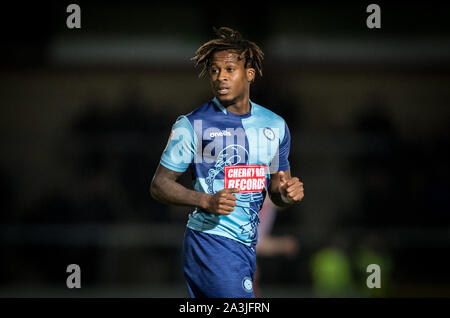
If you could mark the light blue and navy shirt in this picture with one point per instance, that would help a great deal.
(224, 149)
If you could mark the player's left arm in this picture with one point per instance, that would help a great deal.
(284, 189)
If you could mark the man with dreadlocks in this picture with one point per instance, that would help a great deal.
(237, 152)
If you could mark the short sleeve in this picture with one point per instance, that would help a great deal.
(181, 146)
(281, 160)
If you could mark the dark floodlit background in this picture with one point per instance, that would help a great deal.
(85, 115)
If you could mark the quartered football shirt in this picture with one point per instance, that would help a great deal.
(228, 150)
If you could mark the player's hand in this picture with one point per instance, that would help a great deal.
(222, 202)
(291, 189)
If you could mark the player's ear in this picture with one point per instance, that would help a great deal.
(250, 74)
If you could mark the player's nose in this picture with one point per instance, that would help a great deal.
(222, 76)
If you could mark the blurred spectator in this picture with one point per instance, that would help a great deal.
(331, 270)
(270, 245)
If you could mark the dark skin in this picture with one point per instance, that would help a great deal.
(230, 81)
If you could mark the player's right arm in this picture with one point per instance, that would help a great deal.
(166, 189)
(176, 158)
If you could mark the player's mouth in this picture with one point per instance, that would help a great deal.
(223, 90)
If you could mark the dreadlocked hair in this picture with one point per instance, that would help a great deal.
(229, 39)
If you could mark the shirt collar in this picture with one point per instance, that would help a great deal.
(224, 110)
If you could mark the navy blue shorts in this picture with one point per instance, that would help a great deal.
(217, 267)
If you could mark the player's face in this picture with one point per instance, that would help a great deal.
(230, 79)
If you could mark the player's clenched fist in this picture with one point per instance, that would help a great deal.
(291, 189)
(222, 202)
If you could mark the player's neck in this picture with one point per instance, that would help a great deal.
(240, 107)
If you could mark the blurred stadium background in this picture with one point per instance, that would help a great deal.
(85, 115)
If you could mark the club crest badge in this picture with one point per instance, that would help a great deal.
(268, 132)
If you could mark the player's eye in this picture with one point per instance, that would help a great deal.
(230, 69)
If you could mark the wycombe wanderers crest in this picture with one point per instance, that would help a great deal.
(268, 132)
